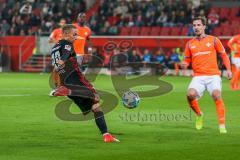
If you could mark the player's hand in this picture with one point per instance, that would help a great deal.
(229, 74)
(60, 62)
(184, 65)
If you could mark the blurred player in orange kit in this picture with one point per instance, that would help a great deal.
(202, 52)
(84, 33)
(56, 36)
(234, 45)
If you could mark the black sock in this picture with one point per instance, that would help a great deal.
(100, 121)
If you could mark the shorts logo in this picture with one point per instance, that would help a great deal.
(67, 47)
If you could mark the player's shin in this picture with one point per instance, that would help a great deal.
(220, 112)
(176, 66)
(100, 121)
(234, 81)
(193, 103)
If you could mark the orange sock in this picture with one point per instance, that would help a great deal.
(238, 76)
(234, 81)
(195, 107)
(220, 111)
(176, 68)
(233, 71)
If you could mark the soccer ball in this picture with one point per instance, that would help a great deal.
(130, 99)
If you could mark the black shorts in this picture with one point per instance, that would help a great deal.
(82, 92)
(84, 104)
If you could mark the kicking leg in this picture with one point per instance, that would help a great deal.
(101, 124)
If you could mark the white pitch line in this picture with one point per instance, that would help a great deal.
(22, 88)
(15, 95)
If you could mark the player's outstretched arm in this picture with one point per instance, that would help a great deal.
(52, 38)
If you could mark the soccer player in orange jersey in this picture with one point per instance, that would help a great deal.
(202, 52)
(234, 45)
(84, 33)
(56, 36)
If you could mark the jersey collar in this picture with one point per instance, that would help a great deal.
(199, 39)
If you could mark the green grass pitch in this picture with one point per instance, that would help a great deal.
(30, 130)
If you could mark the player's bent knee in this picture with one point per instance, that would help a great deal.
(216, 95)
(192, 93)
(96, 107)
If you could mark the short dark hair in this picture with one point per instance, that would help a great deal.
(67, 27)
(203, 19)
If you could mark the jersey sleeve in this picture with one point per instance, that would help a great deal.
(231, 43)
(89, 33)
(221, 50)
(218, 46)
(66, 51)
(55, 54)
(53, 34)
(60, 52)
(187, 54)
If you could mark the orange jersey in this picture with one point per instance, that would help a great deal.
(234, 45)
(203, 55)
(56, 34)
(83, 34)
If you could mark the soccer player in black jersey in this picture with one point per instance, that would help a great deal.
(74, 84)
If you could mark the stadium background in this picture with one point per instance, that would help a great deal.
(30, 129)
(154, 27)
